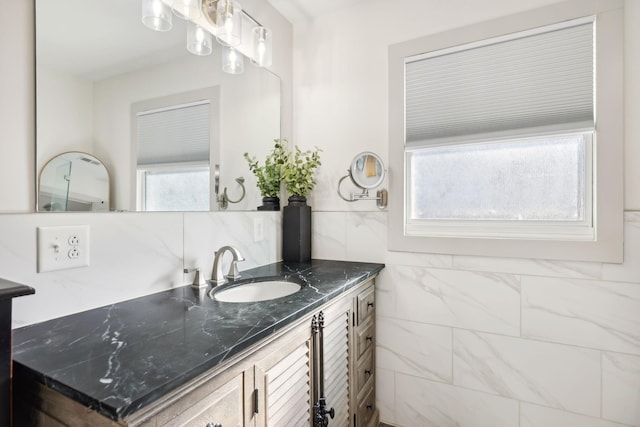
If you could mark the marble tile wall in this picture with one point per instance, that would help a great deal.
(479, 341)
(132, 255)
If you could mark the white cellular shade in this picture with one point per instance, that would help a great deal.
(528, 81)
(176, 134)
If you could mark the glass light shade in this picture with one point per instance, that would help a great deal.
(232, 61)
(199, 40)
(156, 15)
(229, 22)
(262, 47)
(187, 9)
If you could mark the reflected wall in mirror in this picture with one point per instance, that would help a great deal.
(73, 181)
(96, 63)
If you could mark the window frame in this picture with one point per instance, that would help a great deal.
(608, 202)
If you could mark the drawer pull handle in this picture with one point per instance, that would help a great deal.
(213, 425)
(367, 371)
(369, 407)
(369, 304)
(369, 338)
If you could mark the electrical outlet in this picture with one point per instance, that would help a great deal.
(63, 247)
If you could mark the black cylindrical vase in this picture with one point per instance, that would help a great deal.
(270, 204)
(296, 230)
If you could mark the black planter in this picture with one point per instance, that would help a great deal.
(296, 230)
(270, 204)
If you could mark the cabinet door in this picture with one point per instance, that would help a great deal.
(283, 383)
(223, 407)
(336, 362)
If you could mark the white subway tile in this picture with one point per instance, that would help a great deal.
(549, 374)
(414, 348)
(366, 236)
(419, 260)
(424, 403)
(206, 232)
(386, 395)
(621, 388)
(481, 301)
(130, 255)
(531, 267)
(328, 235)
(539, 416)
(595, 314)
(386, 293)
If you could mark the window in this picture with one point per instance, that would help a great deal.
(496, 140)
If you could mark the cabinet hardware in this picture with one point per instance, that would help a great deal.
(213, 425)
(369, 338)
(255, 401)
(369, 407)
(320, 412)
(367, 371)
(369, 304)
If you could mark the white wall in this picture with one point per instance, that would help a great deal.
(468, 341)
(17, 151)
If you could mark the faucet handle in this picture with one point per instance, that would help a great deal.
(198, 280)
(233, 270)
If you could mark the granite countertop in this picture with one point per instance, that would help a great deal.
(9, 290)
(118, 358)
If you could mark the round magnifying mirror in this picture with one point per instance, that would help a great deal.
(367, 170)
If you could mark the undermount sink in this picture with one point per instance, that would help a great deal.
(257, 291)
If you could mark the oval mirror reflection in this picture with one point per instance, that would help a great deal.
(73, 181)
(367, 170)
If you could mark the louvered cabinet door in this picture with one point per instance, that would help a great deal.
(336, 363)
(283, 384)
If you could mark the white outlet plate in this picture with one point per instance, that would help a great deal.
(258, 230)
(63, 247)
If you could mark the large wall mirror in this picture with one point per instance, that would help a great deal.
(148, 109)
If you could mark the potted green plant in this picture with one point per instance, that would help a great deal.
(298, 177)
(269, 175)
(298, 172)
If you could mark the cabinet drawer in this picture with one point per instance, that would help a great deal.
(366, 409)
(365, 372)
(365, 338)
(366, 304)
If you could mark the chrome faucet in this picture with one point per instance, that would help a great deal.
(217, 278)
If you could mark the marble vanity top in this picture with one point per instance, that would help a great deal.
(118, 358)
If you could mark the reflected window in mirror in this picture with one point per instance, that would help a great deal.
(173, 140)
(178, 188)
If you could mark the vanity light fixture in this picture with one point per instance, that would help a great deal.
(261, 46)
(156, 15)
(229, 22)
(187, 9)
(232, 60)
(220, 17)
(199, 40)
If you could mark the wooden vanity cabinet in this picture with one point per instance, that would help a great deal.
(268, 385)
(364, 364)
